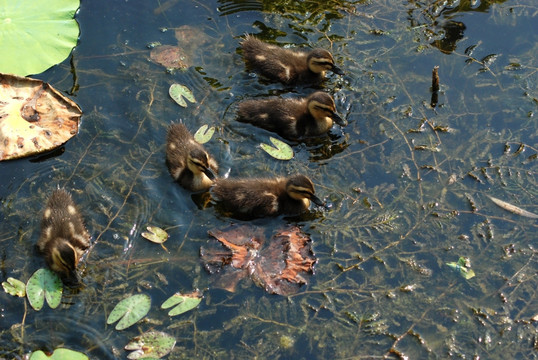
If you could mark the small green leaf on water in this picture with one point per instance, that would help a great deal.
(281, 151)
(151, 344)
(177, 92)
(59, 354)
(184, 302)
(155, 234)
(463, 266)
(130, 310)
(44, 284)
(203, 134)
(14, 287)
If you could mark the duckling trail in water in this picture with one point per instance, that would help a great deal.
(256, 198)
(63, 237)
(188, 162)
(292, 118)
(287, 66)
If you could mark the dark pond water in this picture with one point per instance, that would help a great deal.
(408, 183)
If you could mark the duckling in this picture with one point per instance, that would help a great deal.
(292, 118)
(188, 162)
(287, 66)
(257, 197)
(63, 237)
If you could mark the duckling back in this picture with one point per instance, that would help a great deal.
(287, 66)
(187, 160)
(64, 237)
(292, 118)
(257, 197)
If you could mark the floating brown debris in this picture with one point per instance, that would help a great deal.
(171, 57)
(435, 86)
(34, 117)
(281, 266)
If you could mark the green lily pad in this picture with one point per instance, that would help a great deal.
(154, 344)
(463, 266)
(130, 310)
(44, 284)
(178, 92)
(281, 151)
(14, 287)
(155, 234)
(184, 302)
(59, 354)
(36, 34)
(203, 134)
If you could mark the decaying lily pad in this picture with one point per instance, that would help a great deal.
(171, 57)
(191, 38)
(280, 267)
(34, 117)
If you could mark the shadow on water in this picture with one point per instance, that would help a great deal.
(409, 185)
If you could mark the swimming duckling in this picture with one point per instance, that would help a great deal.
(288, 66)
(292, 118)
(188, 162)
(255, 198)
(63, 237)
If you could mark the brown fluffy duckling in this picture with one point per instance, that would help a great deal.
(292, 118)
(187, 160)
(288, 66)
(63, 237)
(256, 198)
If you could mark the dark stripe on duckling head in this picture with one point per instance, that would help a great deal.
(198, 160)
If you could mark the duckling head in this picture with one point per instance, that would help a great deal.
(63, 259)
(320, 60)
(198, 163)
(321, 106)
(301, 188)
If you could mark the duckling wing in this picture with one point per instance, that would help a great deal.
(276, 115)
(250, 198)
(274, 62)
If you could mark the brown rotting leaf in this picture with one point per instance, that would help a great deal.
(34, 117)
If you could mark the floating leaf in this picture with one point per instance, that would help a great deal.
(512, 208)
(130, 310)
(184, 302)
(44, 284)
(36, 34)
(59, 354)
(155, 234)
(154, 344)
(281, 151)
(34, 117)
(203, 134)
(463, 266)
(177, 92)
(14, 287)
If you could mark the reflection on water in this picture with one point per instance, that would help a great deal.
(408, 183)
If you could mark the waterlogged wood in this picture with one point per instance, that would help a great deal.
(34, 117)
(512, 208)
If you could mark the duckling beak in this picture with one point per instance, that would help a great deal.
(335, 69)
(72, 279)
(337, 119)
(317, 201)
(209, 174)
